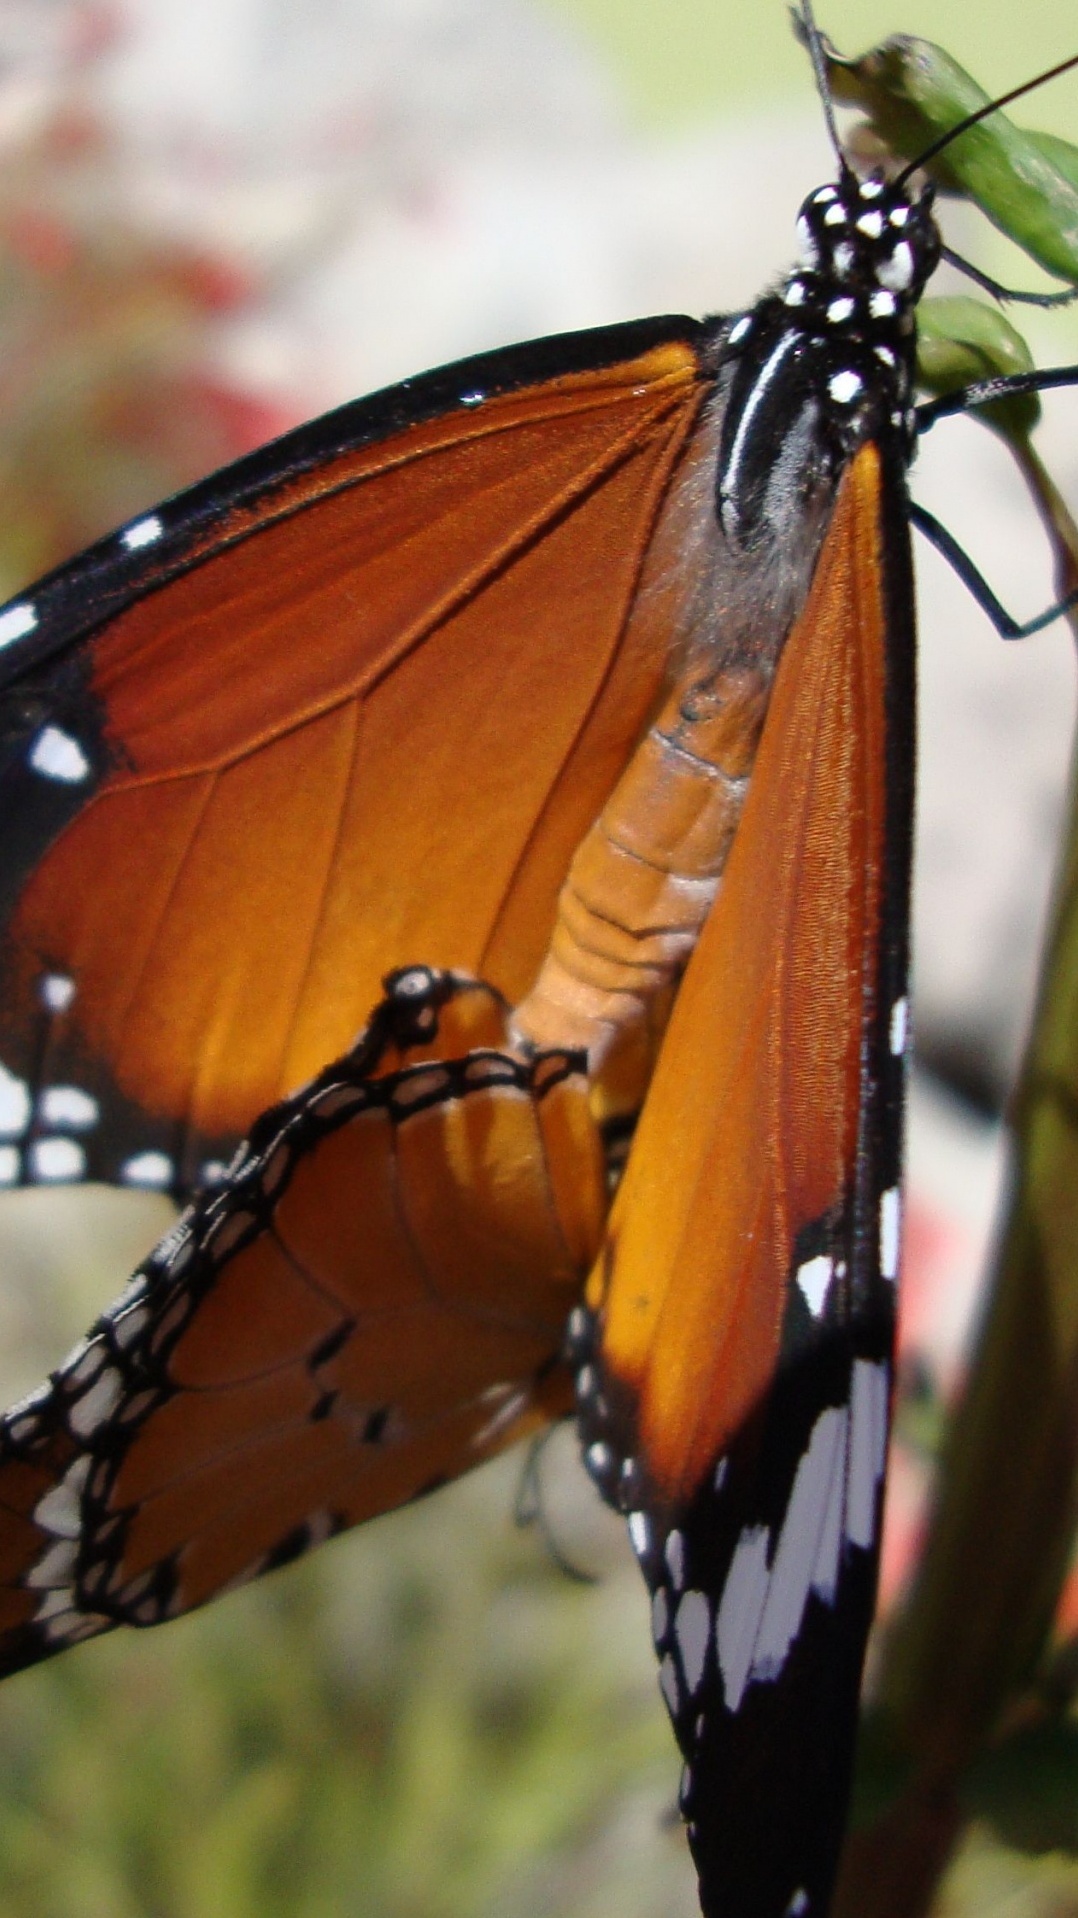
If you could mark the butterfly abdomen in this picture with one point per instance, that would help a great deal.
(644, 879)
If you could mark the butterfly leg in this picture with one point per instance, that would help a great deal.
(956, 556)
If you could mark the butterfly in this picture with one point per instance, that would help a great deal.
(548, 720)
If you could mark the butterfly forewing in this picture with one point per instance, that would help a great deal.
(364, 720)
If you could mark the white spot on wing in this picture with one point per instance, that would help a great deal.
(9, 1165)
(16, 622)
(882, 305)
(890, 1220)
(798, 1548)
(83, 1363)
(14, 1103)
(95, 1405)
(868, 1449)
(871, 223)
(68, 1105)
(639, 1533)
(54, 1567)
(56, 755)
(739, 329)
(59, 1510)
(74, 1625)
(31, 1402)
(126, 1326)
(61, 1600)
(675, 1559)
(825, 1566)
(57, 991)
(153, 1169)
(900, 1018)
(425, 1082)
(57, 1159)
(814, 1277)
(743, 1597)
(692, 1627)
(143, 533)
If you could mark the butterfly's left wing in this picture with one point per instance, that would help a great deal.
(734, 1362)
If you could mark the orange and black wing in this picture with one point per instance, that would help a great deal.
(349, 706)
(373, 1304)
(734, 1354)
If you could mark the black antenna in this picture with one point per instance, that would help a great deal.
(810, 32)
(981, 113)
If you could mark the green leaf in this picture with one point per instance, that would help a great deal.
(1061, 153)
(912, 91)
(960, 340)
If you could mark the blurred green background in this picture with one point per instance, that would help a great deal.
(430, 1719)
(690, 57)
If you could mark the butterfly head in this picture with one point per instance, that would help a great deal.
(828, 357)
(870, 239)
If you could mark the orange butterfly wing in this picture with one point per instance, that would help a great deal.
(375, 1303)
(736, 1348)
(363, 720)
(330, 739)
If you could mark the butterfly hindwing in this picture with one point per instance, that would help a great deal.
(736, 1390)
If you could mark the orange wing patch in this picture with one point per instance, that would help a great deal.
(309, 726)
(750, 1127)
(374, 1303)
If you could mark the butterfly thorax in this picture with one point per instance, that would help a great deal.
(827, 358)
